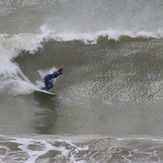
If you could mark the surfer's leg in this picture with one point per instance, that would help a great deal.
(50, 85)
(47, 83)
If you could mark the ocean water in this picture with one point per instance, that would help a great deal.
(109, 104)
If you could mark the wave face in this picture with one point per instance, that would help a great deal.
(119, 64)
(112, 55)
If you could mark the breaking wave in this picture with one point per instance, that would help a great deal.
(11, 46)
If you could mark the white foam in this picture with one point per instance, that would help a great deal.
(47, 32)
(11, 75)
(91, 38)
(47, 145)
(80, 149)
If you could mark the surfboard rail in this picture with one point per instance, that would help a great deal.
(45, 92)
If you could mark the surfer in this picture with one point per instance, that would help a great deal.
(49, 79)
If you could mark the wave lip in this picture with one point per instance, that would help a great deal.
(109, 34)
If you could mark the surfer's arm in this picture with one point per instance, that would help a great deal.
(53, 80)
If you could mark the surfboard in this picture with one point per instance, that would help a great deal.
(45, 92)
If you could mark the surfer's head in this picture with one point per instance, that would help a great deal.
(60, 71)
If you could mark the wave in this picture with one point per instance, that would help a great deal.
(11, 46)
